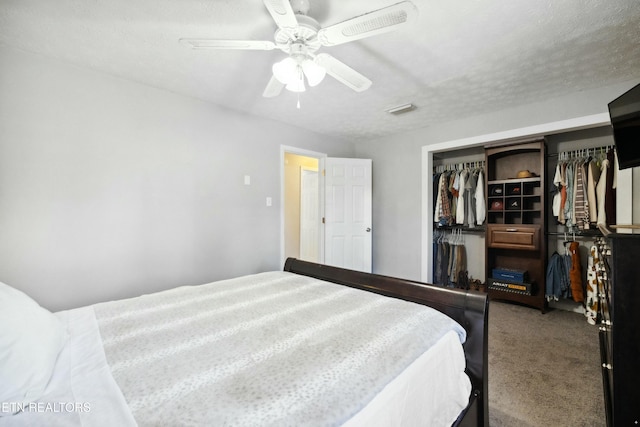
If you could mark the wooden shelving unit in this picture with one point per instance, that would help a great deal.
(516, 221)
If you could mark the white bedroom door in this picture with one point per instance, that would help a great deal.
(348, 213)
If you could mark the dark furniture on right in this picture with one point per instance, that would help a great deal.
(619, 297)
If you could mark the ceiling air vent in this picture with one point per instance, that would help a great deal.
(401, 109)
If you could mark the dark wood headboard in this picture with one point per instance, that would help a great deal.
(468, 308)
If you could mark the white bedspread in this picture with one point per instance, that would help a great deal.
(82, 391)
(268, 349)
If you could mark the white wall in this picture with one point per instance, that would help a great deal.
(109, 188)
(397, 172)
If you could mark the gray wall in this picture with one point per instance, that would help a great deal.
(110, 188)
(397, 174)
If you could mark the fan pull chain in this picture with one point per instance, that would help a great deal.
(298, 105)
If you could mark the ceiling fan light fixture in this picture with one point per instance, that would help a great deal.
(314, 72)
(300, 36)
(292, 71)
(297, 83)
(285, 71)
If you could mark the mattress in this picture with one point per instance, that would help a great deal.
(269, 349)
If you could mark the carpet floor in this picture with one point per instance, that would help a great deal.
(544, 369)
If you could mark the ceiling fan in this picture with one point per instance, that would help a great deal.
(300, 36)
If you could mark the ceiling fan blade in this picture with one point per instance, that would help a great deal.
(273, 89)
(228, 44)
(282, 13)
(343, 73)
(367, 25)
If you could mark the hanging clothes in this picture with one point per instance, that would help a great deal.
(434, 259)
(459, 196)
(601, 193)
(481, 207)
(575, 273)
(593, 172)
(555, 192)
(450, 279)
(584, 186)
(457, 258)
(453, 196)
(442, 261)
(436, 183)
(458, 200)
(470, 200)
(563, 193)
(442, 213)
(568, 206)
(461, 204)
(460, 264)
(581, 207)
(557, 280)
(591, 306)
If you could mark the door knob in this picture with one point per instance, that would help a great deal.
(368, 229)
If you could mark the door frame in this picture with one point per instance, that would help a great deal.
(584, 122)
(315, 210)
(307, 153)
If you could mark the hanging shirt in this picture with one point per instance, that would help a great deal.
(480, 202)
(575, 273)
(437, 211)
(470, 200)
(581, 209)
(453, 196)
(601, 191)
(568, 206)
(442, 214)
(436, 183)
(557, 279)
(556, 194)
(563, 192)
(593, 175)
(462, 177)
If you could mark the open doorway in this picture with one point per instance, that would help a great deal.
(326, 217)
(302, 219)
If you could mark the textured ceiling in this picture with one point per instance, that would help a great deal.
(459, 58)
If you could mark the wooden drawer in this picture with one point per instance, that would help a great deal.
(516, 236)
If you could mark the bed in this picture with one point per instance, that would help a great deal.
(302, 346)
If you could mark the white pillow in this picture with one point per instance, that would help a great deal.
(31, 338)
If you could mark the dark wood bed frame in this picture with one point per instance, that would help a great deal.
(469, 308)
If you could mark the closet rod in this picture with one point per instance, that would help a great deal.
(478, 229)
(459, 165)
(589, 149)
(580, 235)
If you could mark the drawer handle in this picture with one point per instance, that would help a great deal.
(607, 366)
(511, 230)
